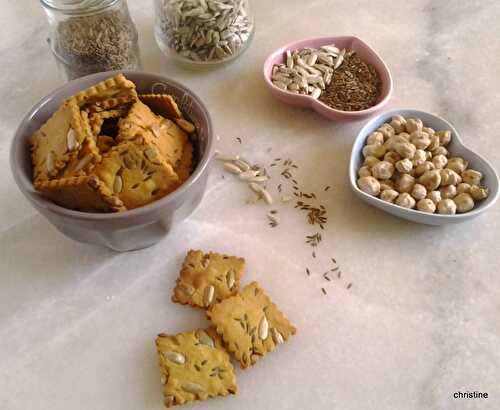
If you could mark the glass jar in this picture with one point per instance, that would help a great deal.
(203, 32)
(90, 36)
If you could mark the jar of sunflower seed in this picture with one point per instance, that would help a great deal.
(203, 32)
(91, 36)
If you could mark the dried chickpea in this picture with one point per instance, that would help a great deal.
(419, 158)
(383, 170)
(370, 161)
(386, 184)
(463, 188)
(386, 130)
(440, 151)
(374, 150)
(426, 205)
(389, 144)
(414, 124)
(364, 171)
(405, 183)
(439, 161)
(434, 196)
(449, 177)
(448, 192)
(369, 185)
(398, 123)
(389, 195)
(428, 130)
(422, 169)
(434, 143)
(405, 200)
(447, 207)
(419, 192)
(431, 180)
(457, 164)
(404, 166)
(405, 149)
(472, 177)
(444, 137)
(420, 139)
(478, 192)
(404, 135)
(376, 138)
(464, 203)
(392, 157)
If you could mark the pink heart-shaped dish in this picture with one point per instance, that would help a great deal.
(365, 52)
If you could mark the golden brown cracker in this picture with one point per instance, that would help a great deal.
(86, 194)
(136, 174)
(162, 104)
(105, 143)
(83, 162)
(250, 324)
(57, 141)
(194, 366)
(206, 279)
(185, 165)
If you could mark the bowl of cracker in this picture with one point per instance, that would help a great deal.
(115, 159)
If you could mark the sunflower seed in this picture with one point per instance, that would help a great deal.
(187, 289)
(208, 295)
(175, 357)
(193, 388)
(84, 162)
(316, 93)
(169, 401)
(118, 184)
(263, 328)
(71, 139)
(262, 178)
(231, 280)
(277, 337)
(247, 175)
(255, 187)
(243, 165)
(229, 166)
(205, 339)
(50, 162)
(267, 196)
(150, 154)
(225, 158)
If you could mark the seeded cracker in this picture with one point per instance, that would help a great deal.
(185, 167)
(86, 194)
(206, 279)
(194, 366)
(250, 324)
(105, 143)
(136, 174)
(167, 137)
(57, 141)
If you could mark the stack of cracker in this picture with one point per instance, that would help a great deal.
(108, 149)
(245, 323)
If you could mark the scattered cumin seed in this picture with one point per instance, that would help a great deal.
(334, 269)
(327, 188)
(323, 290)
(238, 139)
(339, 274)
(349, 286)
(334, 261)
(308, 272)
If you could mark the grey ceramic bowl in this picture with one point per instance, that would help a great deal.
(456, 147)
(137, 228)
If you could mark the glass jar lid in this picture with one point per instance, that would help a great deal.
(77, 6)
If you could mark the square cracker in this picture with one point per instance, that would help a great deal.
(86, 194)
(57, 141)
(136, 174)
(154, 130)
(250, 324)
(194, 366)
(206, 279)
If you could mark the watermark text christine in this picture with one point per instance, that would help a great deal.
(470, 395)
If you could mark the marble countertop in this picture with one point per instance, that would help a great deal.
(421, 320)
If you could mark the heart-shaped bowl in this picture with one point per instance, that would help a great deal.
(365, 52)
(456, 148)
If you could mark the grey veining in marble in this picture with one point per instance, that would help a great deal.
(77, 323)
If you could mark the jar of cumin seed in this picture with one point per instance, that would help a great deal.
(91, 36)
(203, 32)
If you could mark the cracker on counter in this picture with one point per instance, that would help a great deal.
(86, 194)
(154, 130)
(194, 366)
(136, 174)
(117, 87)
(57, 141)
(250, 324)
(206, 279)
(162, 104)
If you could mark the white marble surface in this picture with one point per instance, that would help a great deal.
(77, 323)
